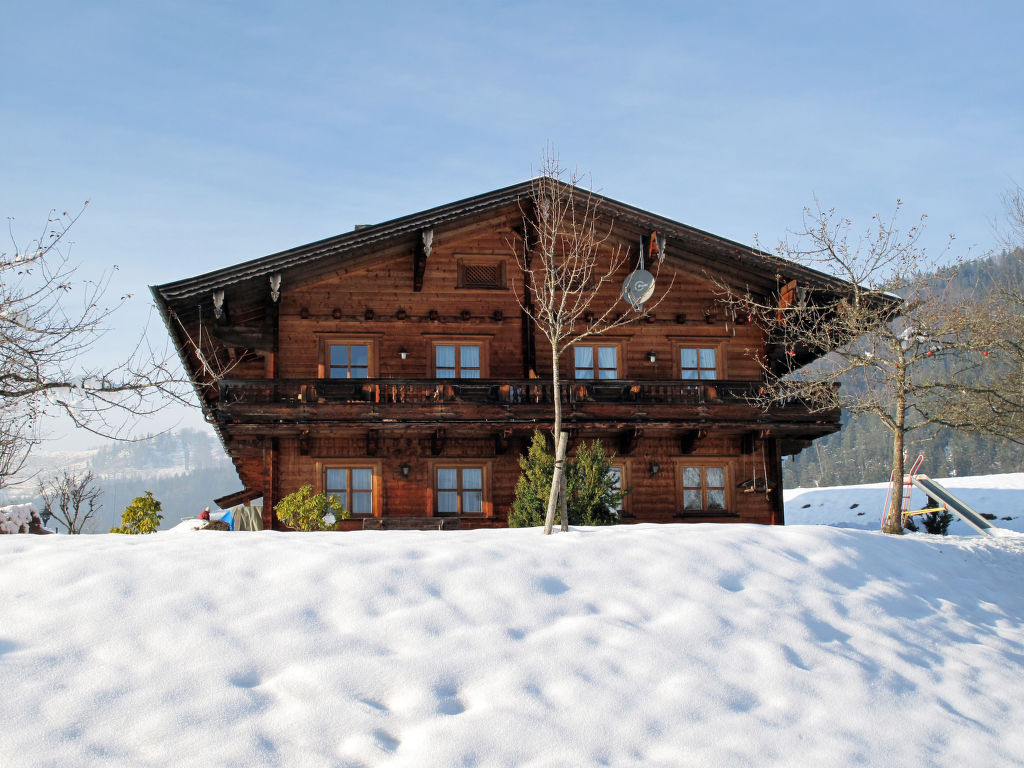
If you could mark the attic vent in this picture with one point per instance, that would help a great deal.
(481, 276)
(358, 227)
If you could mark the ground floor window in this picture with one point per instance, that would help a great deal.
(615, 473)
(352, 487)
(704, 488)
(460, 490)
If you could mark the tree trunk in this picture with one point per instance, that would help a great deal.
(556, 395)
(894, 515)
(556, 484)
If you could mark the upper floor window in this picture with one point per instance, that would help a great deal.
(347, 358)
(460, 490)
(457, 361)
(348, 361)
(704, 488)
(352, 486)
(596, 362)
(698, 363)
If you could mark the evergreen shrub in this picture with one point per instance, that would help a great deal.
(308, 511)
(591, 495)
(141, 516)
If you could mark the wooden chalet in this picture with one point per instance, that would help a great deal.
(393, 367)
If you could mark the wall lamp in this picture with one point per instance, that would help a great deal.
(402, 353)
(655, 468)
(404, 469)
(651, 357)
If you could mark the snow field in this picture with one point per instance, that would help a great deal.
(637, 645)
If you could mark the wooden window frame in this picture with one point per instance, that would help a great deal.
(486, 504)
(323, 370)
(463, 263)
(699, 344)
(703, 463)
(483, 342)
(620, 358)
(623, 466)
(376, 486)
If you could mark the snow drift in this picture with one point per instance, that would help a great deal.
(645, 645)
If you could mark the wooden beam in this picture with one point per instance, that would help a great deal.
(419, 258)
(501, 441)
(688, 439)
(437, 442)
(628, 440)
(270, 488)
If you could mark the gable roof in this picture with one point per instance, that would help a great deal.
(758, 267)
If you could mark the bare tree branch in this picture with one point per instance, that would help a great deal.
(51, 322)
(884, 334)
(569, 262)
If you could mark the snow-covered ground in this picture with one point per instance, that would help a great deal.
(860, 506)
(700, 645)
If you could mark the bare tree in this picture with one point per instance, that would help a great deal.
(991, 400)
(50, 320)
(882, 331)
(569, 260)
(71, 499)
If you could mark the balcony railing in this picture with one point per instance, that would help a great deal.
(501, 392)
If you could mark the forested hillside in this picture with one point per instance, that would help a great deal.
(860, 452)
(185, 470)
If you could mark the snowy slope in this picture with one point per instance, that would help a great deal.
(647, 645)
(860, 506)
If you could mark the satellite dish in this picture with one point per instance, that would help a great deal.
(638, 288)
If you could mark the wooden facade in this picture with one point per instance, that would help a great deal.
(394, 367)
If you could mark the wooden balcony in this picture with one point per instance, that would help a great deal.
(502, 401)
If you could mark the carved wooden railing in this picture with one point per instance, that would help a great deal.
(504, 392)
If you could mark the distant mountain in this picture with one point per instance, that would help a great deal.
(861, 451)
(185, 470)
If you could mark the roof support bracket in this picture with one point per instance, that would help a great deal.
(419, 258)
(437, 441)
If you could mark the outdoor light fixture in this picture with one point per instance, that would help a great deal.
(403, 354)
(655, 468)
(651, 357)
(404, 468)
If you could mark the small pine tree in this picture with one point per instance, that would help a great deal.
(938, 522)
(141, 516)
(591, 495)
(531, 500)
(308, 511)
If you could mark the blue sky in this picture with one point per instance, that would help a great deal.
(206, 133)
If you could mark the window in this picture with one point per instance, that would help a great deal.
(457, 361)
(353, 487)
(347, 358)
(698, 363)
(615, 473)
(348, 361)
(460, 491)
(596, 362)
(704, 488)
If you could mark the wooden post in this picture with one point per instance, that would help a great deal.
(270, 489)
(563, 492)
(774, 481)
